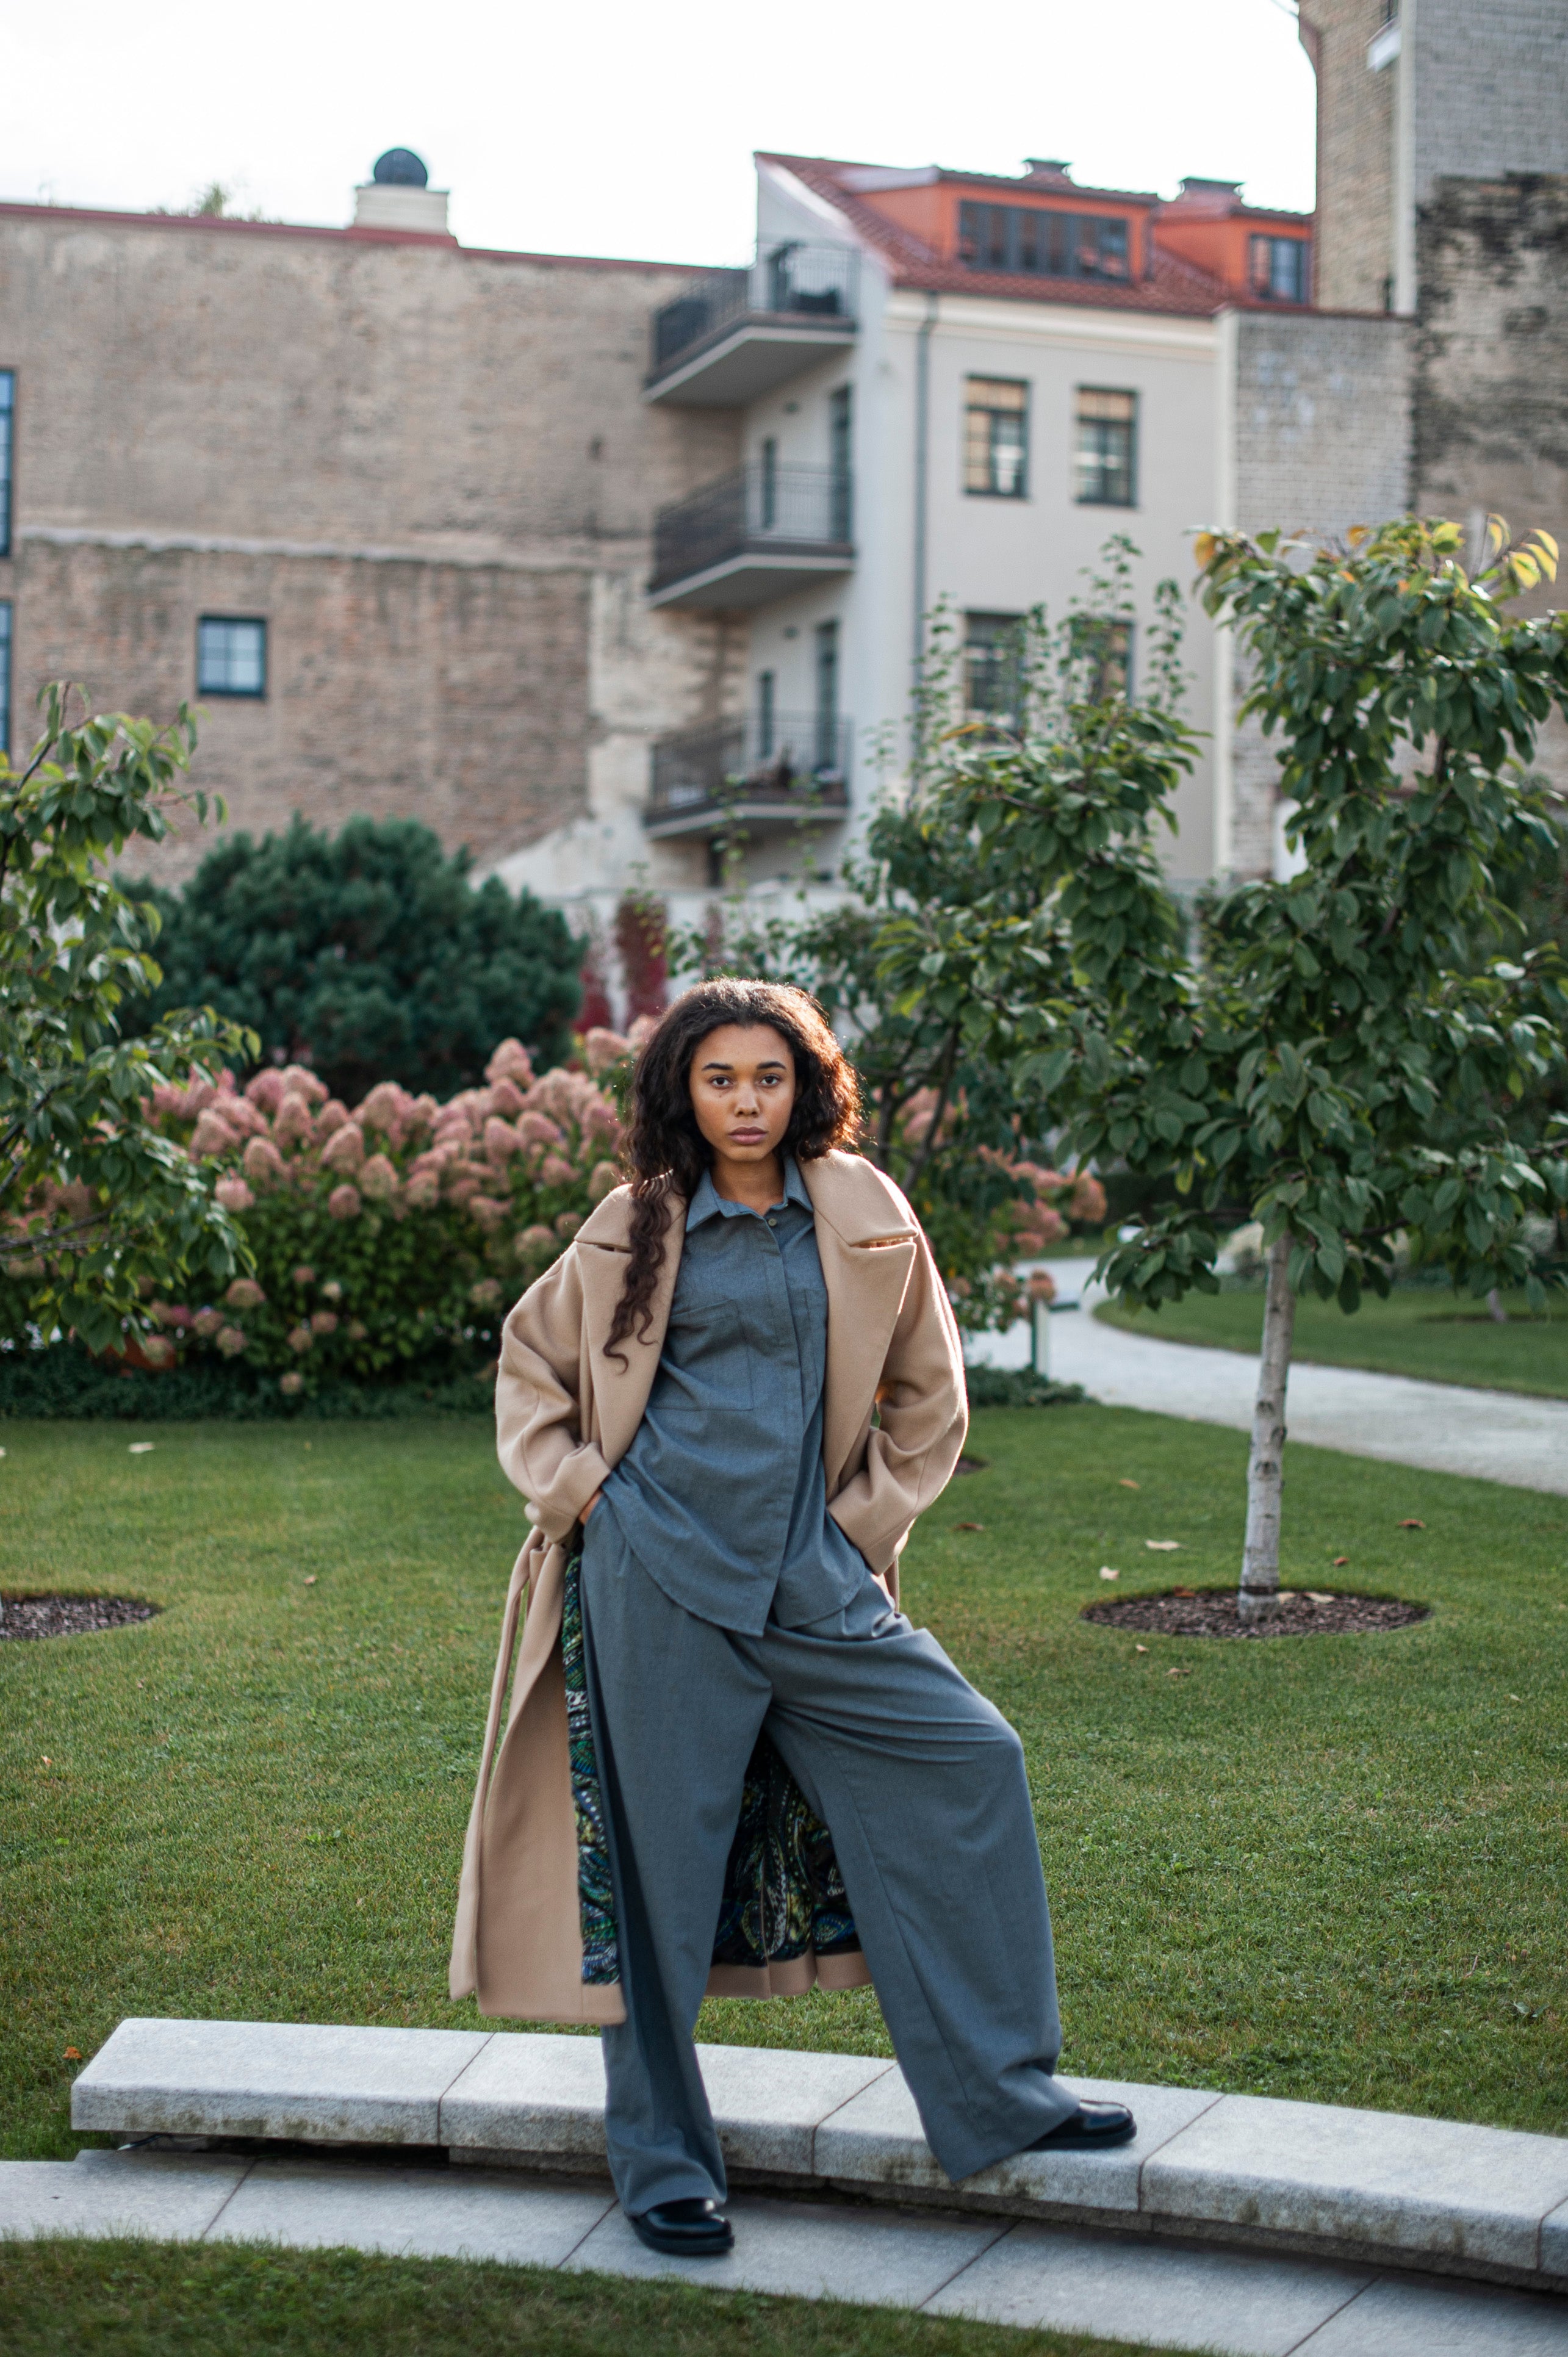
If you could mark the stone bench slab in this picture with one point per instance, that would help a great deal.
(1347, 2186)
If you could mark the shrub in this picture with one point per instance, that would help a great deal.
(396, 1234)
(369, 955)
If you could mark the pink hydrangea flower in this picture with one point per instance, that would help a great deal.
(304, 1276)
(510, 1062)
(379, 1179)
(157, 1349)
(293, 1125)
(212, 1136)
(244, 1293)
(291, 1384)
(207, 1322)
(423, 1192)
(356, 1331)
(602, 1048)
(507, 1099)
(535, 1242)
(603, 1178)
(343, 1202)
(556, 1171)
(567, 1225)
(486, 1294)
(265, 1091)
(486, 1212)
(233, 1194)
(231, 1341)
(324, 1321)
(345, 1149)
(299, 1338)
(263, 1162)
(332, 1290)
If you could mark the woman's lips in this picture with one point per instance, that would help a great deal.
(748, 1136)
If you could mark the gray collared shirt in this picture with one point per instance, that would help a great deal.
(722, 1496)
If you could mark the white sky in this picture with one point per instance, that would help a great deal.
(624, 128)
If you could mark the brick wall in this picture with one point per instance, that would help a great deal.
(1491, 90)
(426, 468)
(1322, 439)
(1355, 154)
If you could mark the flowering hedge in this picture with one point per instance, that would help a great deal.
(399, 1231)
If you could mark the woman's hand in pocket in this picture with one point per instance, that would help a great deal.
(588, 1509)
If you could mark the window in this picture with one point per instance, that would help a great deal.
(827, 715)
(769, 485)
(1107, 448)
(231, 656)
(1037, 242)
(7, 417)
(992, 667)
(4, 676)
(767, 716)
(1278, 268)
(1102, 653)
(996, 438)
(841, 426)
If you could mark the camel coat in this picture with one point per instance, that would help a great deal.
(894, 1422)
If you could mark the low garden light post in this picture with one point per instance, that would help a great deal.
(1042, 1293)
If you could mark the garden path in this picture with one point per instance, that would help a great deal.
(1445, 1428)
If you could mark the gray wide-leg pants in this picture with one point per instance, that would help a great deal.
(921, 1784)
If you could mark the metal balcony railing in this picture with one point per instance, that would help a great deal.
(793, 767)
(763, 510)
(788, 279)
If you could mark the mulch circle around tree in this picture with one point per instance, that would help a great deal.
(70, 1616)
(1212, 1612)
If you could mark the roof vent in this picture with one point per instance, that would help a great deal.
(1046, 167)
(398, 195)
(400, 168)
(1210, 192)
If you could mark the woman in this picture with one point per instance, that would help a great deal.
(731, 1762)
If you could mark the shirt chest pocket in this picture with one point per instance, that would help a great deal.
(709, 1355)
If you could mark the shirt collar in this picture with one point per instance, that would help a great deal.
(707, 1203)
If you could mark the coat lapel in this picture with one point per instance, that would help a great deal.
(620, 1391)
(867, 1245)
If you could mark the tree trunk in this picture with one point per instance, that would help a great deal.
(1495, 1309)
(1265, 1466)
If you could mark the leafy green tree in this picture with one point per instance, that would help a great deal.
(1332, 1062)
(97, 1210)
(369, 955)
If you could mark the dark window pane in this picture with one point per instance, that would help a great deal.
(231, 656)
(1105, 458)
(7, 410)
(4, 677)
(1040, 242)
(992, 667)
(996, 437)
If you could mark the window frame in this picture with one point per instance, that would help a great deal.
(7, 455)
(991, 412)
(229, 622)
(1262, 283)
(1000, 657)
(1131, 423)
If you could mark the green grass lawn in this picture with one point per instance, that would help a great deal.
(148, 2300)
(1330, 1869)
(1418, 1330)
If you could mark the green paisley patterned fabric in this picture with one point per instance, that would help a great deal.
(783, 1894)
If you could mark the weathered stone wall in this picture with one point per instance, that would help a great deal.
(1354, 230)
(1490, 90)
(426, 468)
(1322, 437)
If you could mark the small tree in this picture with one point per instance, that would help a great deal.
(369, 955)
(1297, 1068)
(97, 1210)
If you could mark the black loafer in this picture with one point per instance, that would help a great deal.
(685, 2229)
(1093, 2127)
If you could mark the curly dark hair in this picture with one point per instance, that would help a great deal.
(667, 1151)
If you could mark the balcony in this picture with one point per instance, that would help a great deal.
(756, 534)
(709, 781)
(735, 334)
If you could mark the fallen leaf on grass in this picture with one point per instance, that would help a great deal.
(1125, 1484)
(1162, 1546)
(1411, 1524)
(1178, 1674)
(1320, 1596)
(1516, 1697)
(969, 1526)
(1109, 1571)
(1184, 1591)
(1140, 1649)
(72, 2054)
(140, 1447)
(1340, 1561)
(310, 1577)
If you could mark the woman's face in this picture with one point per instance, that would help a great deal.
(742, 1091)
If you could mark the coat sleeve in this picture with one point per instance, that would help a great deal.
(539, 1435)
(922, 1417)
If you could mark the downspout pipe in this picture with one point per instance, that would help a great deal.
(922, 469)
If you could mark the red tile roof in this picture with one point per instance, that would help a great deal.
(1176, 285)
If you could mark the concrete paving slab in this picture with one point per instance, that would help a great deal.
(1554, 2244)
(1427, 2320)
(767, 2102)
(170, 2197)
(529, 2091)
(1504, 1436)
(323, 2083)
(314, 2205)
(877, 2140)
(1379, 2179)
(1050, 2276)
(810, 2250)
